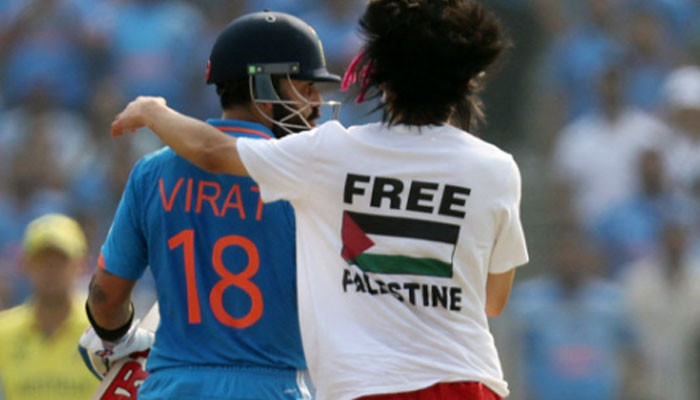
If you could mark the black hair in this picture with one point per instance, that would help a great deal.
(233, 93)
(237, 92)
(429, 55)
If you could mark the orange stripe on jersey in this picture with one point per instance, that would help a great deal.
(244, 130)
(101, 261)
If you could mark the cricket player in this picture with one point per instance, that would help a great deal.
(223, 263)
(408, 230)
(38, 360)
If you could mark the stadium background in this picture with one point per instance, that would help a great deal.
(611, 187)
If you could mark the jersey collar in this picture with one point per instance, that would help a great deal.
(240, 128)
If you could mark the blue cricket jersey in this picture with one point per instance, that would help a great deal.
(224, 265)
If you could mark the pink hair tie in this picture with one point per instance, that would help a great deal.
(352, 75)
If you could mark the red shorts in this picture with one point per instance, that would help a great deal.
(443, 391)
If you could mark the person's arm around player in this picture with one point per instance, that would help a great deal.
(198, 142)
(210, 149)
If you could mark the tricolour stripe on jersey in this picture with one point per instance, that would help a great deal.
(244, 130)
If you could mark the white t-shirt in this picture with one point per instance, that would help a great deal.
(397, 230)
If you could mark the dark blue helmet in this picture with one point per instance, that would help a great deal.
(268, 43)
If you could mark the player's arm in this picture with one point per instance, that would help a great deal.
(198, 142)
(112, 334)
(109, 300)
(498, 287)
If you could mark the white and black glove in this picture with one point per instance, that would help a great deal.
(99, 354)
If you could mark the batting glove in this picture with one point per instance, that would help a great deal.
(100, 355)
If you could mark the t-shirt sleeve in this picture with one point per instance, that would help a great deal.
(281, 167)
(509, 250)
(125, 252)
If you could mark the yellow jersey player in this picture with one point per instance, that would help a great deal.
(38, 356)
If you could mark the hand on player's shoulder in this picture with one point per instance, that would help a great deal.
(136, 114)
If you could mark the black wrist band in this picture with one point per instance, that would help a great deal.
(110, 335)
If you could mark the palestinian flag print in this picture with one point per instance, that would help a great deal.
(393, 245)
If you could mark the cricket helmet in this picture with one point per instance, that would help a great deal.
(264, 48)
(268, 42)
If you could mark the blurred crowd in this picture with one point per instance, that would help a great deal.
(599, 101)
(608, 122)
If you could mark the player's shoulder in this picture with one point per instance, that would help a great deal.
(153, 161)
(156, 157)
